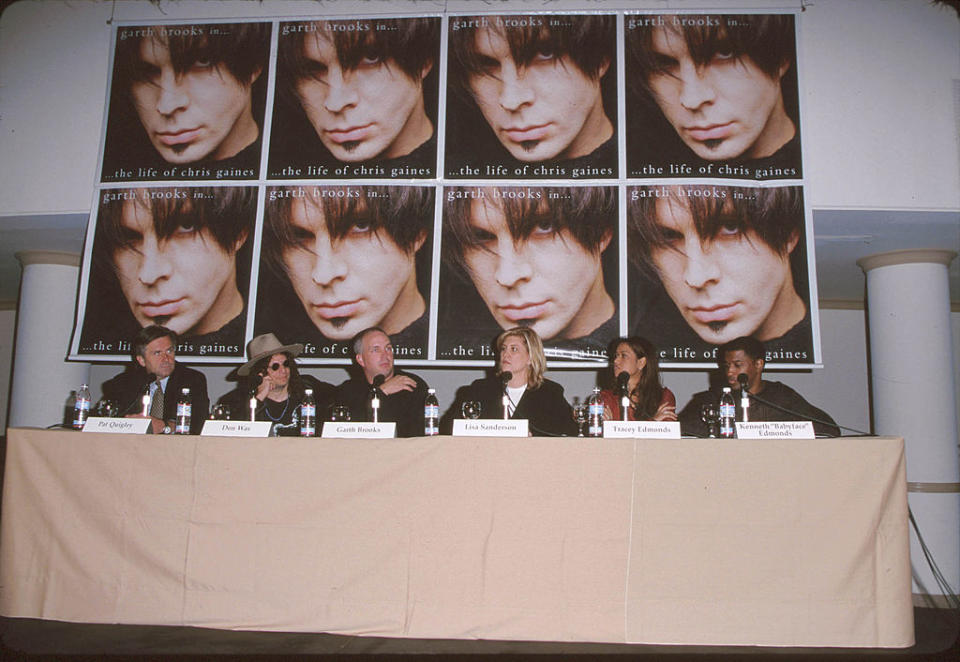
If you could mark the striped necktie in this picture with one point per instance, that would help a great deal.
(156, 402)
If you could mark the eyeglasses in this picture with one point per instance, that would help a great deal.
(276, 366)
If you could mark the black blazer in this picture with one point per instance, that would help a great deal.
(127, 388)
(545, 408)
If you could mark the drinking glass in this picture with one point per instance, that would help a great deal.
(107, 409)
(580, 413)
(471, 409)
(340, 413)
(711, 417)
(220, 412)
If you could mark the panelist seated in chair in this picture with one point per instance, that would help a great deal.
(272, 379)
(742, 360)
(519, 376)
(400, 394)
(636, 373)
(155, 372)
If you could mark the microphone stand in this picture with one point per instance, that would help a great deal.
(375, 404)
(623, 381)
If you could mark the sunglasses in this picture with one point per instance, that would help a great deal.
(276, 366)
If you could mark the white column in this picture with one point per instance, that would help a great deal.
(42, 378)
(913, 387)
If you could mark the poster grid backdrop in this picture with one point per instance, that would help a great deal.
(313, 177)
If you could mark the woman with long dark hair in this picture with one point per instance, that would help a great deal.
(637, 370)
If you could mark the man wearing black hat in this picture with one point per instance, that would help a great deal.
(271, 384)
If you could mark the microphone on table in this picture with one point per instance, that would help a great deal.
(744, 396)
(623, 380)
(505, 378)
(375, 396)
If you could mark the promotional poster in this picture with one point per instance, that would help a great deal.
(447, 176)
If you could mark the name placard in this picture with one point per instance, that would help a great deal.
(358, 430)
(641, 429)
(113, 425)
(776, 430)
(490, 427)
(236, 429)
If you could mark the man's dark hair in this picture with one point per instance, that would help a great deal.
(588, 212)
(242, 49)
(589, 41)
(774, 214)
(747, 344)
(765, 39)
(409, 42)
(147, 335)
(404, 213)
(227, 212)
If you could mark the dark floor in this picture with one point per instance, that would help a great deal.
(31, 639)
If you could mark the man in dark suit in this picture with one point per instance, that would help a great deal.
(401, 393)
(768, 400)
(155, 372)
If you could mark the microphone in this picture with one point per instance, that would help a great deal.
(505, 378)
(623, 380)
(375, 396)
(744, 397)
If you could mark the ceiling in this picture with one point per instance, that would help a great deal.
(842, 236)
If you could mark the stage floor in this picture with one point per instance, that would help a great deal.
(936, 638)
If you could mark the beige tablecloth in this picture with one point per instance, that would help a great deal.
(777, 543)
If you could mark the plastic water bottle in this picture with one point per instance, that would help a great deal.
(595, 414)
(308, 414)
(81, 407)
(728, 413)
(431, 414)
(184, 411)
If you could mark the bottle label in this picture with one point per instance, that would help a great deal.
(184, 409)
(80, 412)
(596, 429)
(431, 411)
(308, 419)
(430, 428)
(728, 410)
(596, 409)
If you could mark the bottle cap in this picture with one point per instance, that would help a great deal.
(185, 390)
(308, 391)
(430, 390)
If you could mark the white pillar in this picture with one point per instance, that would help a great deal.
(913, 386)
(42, 378)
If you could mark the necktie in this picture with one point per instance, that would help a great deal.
(156, 402)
